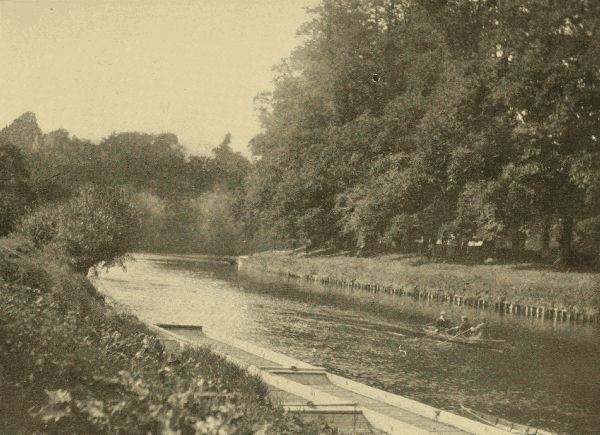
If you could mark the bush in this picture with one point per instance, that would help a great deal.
(99, 225)
(40, 227)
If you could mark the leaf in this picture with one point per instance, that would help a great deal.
(58, 396)
(106, 380)
(264, 430)
(94, 410)
(50, 413)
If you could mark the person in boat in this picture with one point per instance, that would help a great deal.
(465, 328)
(442, 323)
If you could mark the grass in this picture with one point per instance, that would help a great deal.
(523, 284)
(71, 363)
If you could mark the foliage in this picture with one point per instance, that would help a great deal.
(166, 186)
(228, 168)
(97, 226)
(482, 122)
(14, 189)
(206, 223)
(23, 132)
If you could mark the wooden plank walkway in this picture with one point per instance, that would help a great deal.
(351, 407)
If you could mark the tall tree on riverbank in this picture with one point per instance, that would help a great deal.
(396, 120)
(550, 90)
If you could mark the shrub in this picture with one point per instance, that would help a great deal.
(98, 225)
(41, 226)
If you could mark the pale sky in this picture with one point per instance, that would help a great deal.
(188, 67)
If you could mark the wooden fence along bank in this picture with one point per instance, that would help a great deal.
(557, 314)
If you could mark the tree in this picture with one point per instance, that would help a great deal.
(228, 168)
(23, 132)
(546, 57)
(15, 192)
(155, 163)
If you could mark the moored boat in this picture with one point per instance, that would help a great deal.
(503, 424)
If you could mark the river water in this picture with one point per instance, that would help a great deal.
(546, 375)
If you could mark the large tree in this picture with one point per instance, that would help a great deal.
(546, 57)
(15, 192)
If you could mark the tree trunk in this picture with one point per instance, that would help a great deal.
(546, 237)
(565, 241)
(517, 243)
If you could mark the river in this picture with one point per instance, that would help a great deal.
(546, 375)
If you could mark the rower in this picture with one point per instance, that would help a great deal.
(442, 323)
(465, 327)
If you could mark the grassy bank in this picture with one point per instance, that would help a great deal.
(524, 284)
(70, 363)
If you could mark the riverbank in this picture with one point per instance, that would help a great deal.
(72, 363)
(516, 288)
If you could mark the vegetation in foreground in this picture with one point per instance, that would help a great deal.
(519, 283)
(69, 363)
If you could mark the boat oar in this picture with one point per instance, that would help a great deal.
(472, 329)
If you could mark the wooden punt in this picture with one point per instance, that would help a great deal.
(503, 424)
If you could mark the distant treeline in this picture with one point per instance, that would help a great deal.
(415, 124)
(185, 203)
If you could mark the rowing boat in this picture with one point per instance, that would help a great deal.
(503, 424)
(431, 331)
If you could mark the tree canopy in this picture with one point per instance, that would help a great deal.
(398, 120)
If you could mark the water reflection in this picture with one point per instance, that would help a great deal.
(547, 375)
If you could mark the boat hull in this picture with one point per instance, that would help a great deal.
(469, 341)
